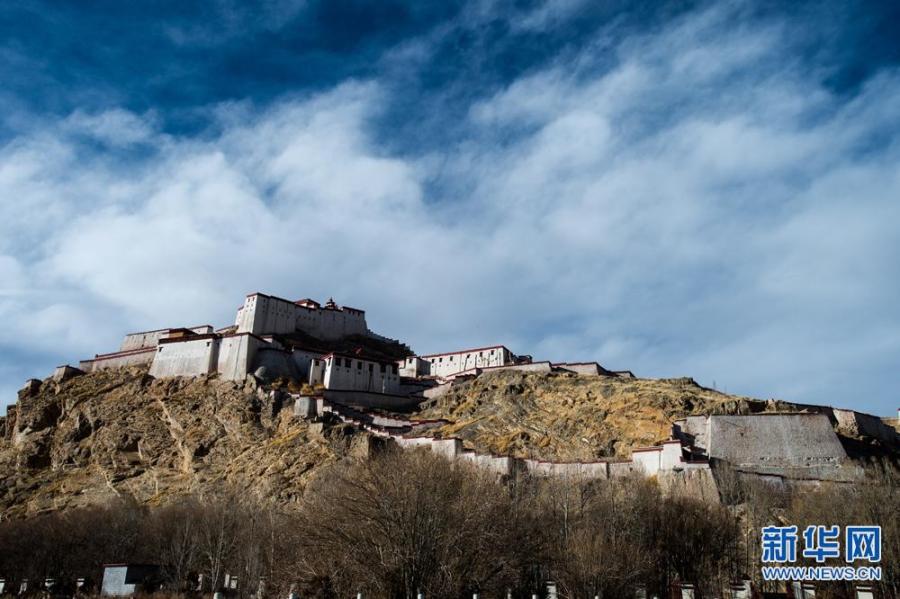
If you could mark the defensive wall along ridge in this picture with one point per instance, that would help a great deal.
(799, 448)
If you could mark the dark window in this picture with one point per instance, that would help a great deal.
(348, 362)
(371, 366)
(394, 368)
(382, 368)
(359, 365)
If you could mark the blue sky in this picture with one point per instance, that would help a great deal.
(680, 189)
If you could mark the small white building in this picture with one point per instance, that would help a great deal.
(451, 363)
(122, 580)
(352, 373)
(651, 460)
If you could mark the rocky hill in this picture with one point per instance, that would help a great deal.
(564, 416)
(121, 432)
(570, 417)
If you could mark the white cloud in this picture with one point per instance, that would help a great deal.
(694, 210)
(116, 127)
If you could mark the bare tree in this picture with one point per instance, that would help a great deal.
(409, 522)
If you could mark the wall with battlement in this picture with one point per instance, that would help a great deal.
(268, 315)
(237, 355)
(585, 368)
(544, 367)
(783, 439)
(667, 459)
(192, 356)
(352, 373)
(452, 363)
(146, 339)
(800, 446)
(136, 357)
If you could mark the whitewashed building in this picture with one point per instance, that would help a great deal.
(451, 363)
(263, 314)
(352, 373)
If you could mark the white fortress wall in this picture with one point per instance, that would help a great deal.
(585, 368)
(530, 367)
(588, 368)
(621, 468)
(414, 366)
(188, 357)
(672, 455)
(502, 465)
(774, 439)
(436, 391)
(585, 470)
(453, 362)
(151, 338)
(349, 373)
(647, 459)
(341, 322)
(264, 314)
(278, 362)
(237, 354)
(118, 359)
(143, 339)
(316, 374)
(302, 359)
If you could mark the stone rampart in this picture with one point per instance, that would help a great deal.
(798, 440)
(191, 356)
(118, 359)
(585, 368)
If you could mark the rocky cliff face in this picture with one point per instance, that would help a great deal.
(122, 432)
(571, 417)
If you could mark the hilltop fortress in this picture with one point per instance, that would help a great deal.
(267, 336)
(346, 372)
(296, 340)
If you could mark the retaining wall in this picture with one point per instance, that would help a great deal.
(187, 357)
(585, 368)
(118, 360)
(773, 439)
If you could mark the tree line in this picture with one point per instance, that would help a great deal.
(411, 522)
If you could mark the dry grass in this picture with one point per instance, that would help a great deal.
(566, 416)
